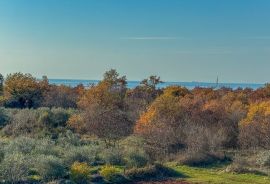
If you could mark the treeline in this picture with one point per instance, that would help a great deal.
(108, 123)
(20, 90)
(169, 116)
(191, 126)
(170, 119)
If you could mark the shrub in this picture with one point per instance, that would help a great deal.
(263, 159)
(241, 166)
(50, 167)
(108, 171)
(23, 122)
(80, 172)
(14, 168)
(203, 159)
(60, 182)
(240, 169)
(22, 145)
(112, 174)
(54, 117)
(156, 171)
(60, 116)
(3, 117)
(136, 159)
(68, 138)
(80, 154)
(2, 155)
(112, 156)
(28, 145)
(45, 147)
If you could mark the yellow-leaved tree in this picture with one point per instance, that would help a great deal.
(22, 90)
(255, 128)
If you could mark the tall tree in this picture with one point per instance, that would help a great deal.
(151, 82)
(104, 110)
(22, 91)
(1, 84)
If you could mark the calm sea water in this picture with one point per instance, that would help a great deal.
(133, 84)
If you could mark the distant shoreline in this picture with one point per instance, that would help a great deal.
(133, 84)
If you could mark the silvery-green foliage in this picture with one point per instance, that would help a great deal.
(45, 147)
(49, 167)
(14, 168)
(87, 153)
(23, 145)
(263, 159)
(68, 139)
(112, 156)
(23, 122)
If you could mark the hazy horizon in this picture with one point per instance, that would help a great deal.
(181, 41)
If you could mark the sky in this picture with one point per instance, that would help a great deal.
(179, 40)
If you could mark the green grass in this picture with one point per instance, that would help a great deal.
(212, 175)
(218, 176)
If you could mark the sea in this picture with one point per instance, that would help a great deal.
(133, 84)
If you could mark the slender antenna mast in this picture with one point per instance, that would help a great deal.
(217, 82)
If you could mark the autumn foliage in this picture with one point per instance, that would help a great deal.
(169, 119)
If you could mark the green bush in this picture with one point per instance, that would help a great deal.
(241, 169)
(50, 167)
(80, 172)
(203, 159)
(54, 117)
(27, 145)
(263, 159)
(14, 168)
(241, 165)
(112, 174)
(136, 159)
(112, 156)
(23, 122)
(23, 145)
(45, 147)
(156, 171)
(80, 154)
(67, 139)
(33, 122)
(4, 118)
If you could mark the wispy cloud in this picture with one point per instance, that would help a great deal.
(259, 38)
(153, 38)
(207, 51)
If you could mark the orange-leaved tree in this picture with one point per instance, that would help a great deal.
(255, 128)
(162, 124)
(104, 110)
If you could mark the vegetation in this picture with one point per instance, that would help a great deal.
(107, 133)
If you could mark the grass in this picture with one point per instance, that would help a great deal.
(210, 175)
(218, 176)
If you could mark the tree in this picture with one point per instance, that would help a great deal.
(139, 98)
(61, 96)
(255, 128)
(163, 123)
(1, 84)
(151, 82)
(22, 90)
(104, 110)
(2, 98)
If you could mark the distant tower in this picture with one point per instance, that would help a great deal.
(216, 82)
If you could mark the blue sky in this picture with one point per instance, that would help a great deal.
(180, 40)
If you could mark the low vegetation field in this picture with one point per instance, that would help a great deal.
(107, 133)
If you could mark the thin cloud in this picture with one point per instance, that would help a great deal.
(259, 38)
(206, 51)
(152, 38)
